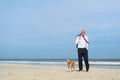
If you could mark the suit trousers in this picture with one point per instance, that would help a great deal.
(83, 54)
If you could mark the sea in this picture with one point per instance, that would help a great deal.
(97, 63)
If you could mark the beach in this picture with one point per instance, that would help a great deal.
(37, 72)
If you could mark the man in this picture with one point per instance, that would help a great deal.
(82, 46)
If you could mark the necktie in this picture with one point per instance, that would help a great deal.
(85, 39)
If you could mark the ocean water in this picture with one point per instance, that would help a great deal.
(97, 63)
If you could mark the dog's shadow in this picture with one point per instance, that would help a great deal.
(75, 71)
(70, 71)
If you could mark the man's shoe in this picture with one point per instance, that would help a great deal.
(80, 70)
(87, 70)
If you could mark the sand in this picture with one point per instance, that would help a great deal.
(37, 72)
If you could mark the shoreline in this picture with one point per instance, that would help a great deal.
(49, 63)
(96, 63)
(37, 72)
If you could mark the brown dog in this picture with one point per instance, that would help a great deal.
(71, 65)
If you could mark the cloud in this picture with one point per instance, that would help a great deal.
(115, 33)
(109, 34)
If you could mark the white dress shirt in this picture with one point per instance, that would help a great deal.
(81, 42)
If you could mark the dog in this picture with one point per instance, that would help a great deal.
(71, 65)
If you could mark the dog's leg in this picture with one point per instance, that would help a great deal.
(71, 67)
(68, 68)
(74, 67)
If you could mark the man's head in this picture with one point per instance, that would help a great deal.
(83, 32)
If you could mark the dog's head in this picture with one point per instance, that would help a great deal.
(67, 60)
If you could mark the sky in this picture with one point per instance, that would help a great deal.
(40, 29)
